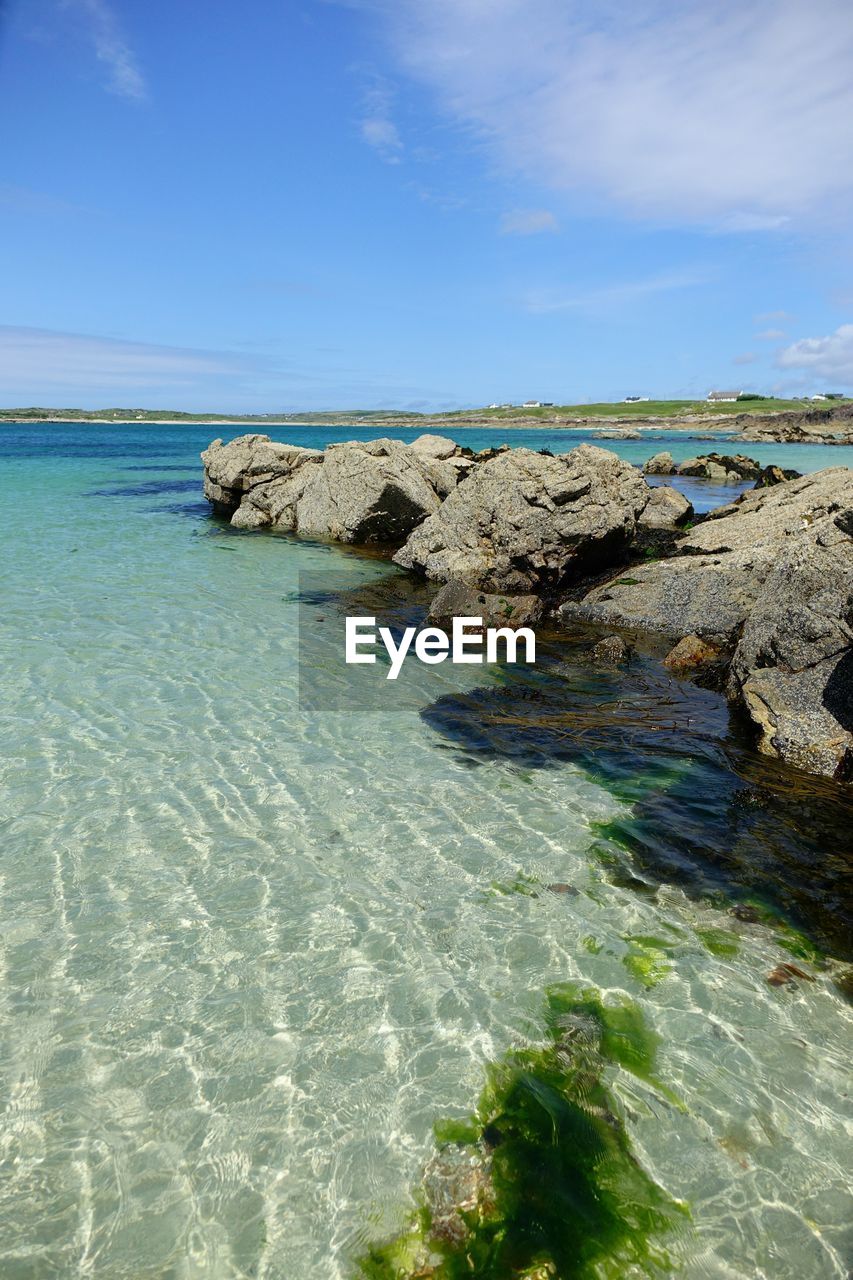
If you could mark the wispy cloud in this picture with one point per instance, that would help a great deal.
(528, 222)
(48, 367)
(36, 203)
(614, 296)
(771, 335)
(764, 317)
(47, 359)
(377, 126)
(830, 357)
(124, 76)
(731, 115)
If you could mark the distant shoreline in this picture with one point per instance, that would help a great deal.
(805, 425)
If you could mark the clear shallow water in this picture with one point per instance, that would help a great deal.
(250, 954)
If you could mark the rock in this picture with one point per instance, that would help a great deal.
(703, 595)
(460, 600)
(793, 665)
(774, 475)
(814, 426)
(523, 521)
(662, 464)
(438, 447)
(785, 973)
(232, 470)
(375, 491)
(772, 576)
(566, 889)
(691, 652)
(723, 467)
(612, 651)
(666, 507)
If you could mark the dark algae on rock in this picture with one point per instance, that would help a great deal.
(552, 1188)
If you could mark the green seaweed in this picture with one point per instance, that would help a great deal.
(451, 1129)
(647, 958)
(720, 942)
(527, 886)
(558, 1192)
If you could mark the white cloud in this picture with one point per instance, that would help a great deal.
(830, 357)
(771, 335)
(766, 316)
(732, 114)
(48, 359)
(125, 78)
(528, 222)
(612, 297)
(377, 127)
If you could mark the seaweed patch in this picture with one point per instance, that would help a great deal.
(541, 1181)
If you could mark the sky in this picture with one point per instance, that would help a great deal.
(286, 205)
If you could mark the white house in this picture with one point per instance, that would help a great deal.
(635, 399)
(531, 404)
(820, 396)
(723, 396)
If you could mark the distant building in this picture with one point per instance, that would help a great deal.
(835, 395)
(531, 404)
(494, 406)
(819, 396)
(635, 399)
(720, 397)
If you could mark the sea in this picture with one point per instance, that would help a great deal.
(252, 950)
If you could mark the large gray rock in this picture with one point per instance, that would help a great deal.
(376, 491)
(771, 577)
(662, 464)
(233, 470)
(793, 665)
(665, 508)
(526, 521)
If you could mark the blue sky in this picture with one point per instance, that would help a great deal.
(293, 205)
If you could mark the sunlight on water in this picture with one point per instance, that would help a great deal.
(250, 954)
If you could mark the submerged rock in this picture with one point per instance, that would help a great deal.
(523, 521)
(691, 652)
(460, 600)
(611, 651)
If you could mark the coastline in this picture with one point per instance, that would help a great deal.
(823, 427)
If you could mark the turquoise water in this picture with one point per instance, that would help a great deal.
(250, 953)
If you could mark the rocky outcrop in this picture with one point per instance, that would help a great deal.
(369, 492)
(760, 591)
(526, 522)
(771, 578)
(813, 426)
(233, 470)
(725, 468)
